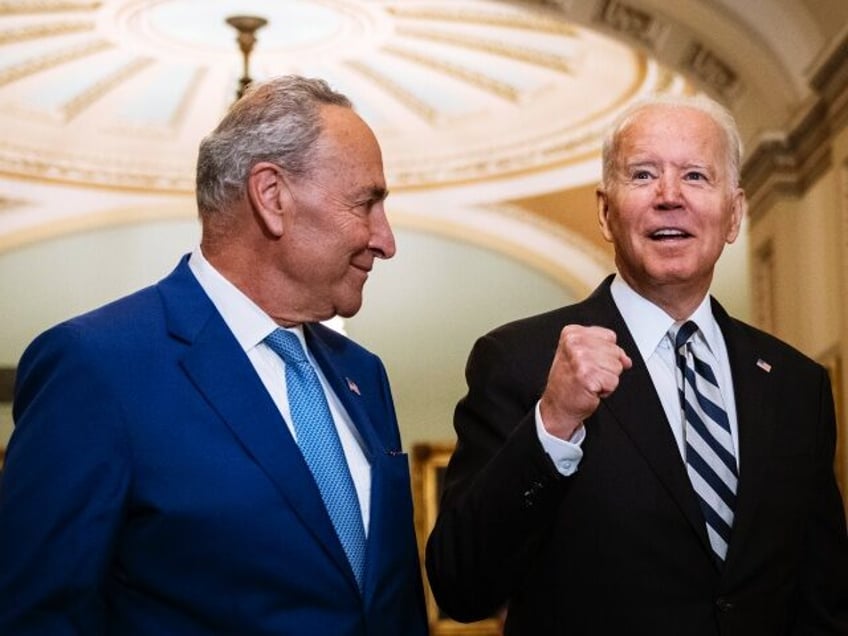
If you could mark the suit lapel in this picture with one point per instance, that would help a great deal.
(343, 376)
(636, 408)
(753, 414)
(223, 374)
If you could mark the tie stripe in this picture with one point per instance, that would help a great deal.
(715, 439)
(710, 459)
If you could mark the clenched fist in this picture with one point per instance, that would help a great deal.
(586, 368)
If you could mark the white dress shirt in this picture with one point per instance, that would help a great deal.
(649, 325)
(250, 326)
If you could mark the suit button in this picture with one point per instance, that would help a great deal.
(724, 605)
(531, 493)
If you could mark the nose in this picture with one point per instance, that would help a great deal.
(668, 191)
(382, 243)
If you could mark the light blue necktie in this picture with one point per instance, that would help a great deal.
(321, 448)
(710, 459)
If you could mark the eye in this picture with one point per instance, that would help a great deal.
(641, 175)
(373, 200)
(371, 203)
(365, 206)
(695, 175)
(360, 208)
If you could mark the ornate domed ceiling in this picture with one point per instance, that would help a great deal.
(119, 92)
(489, 111)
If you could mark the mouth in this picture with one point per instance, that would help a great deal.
(669, 234)
(362, 268)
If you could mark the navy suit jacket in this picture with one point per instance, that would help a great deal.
(620, 547)
(151, 486)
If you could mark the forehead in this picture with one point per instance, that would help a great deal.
(671, 132)
(342, 129)
(347, 146)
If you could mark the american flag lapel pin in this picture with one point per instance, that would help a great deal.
(352, 386)
(765, 366)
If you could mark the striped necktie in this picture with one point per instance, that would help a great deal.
(321, 448)
(710, 459)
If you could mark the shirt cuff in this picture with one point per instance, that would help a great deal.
(566, 455)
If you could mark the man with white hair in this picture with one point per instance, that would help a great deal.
(640, 462)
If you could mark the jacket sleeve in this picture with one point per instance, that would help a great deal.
(62, 490)
(501, 489)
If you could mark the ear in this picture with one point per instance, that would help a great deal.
(738, 207)
(268, 196)
(602, 201)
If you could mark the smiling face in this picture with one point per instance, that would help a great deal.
(336, 225)
(670, 205)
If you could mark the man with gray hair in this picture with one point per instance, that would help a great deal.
(204, 456)
(640, 462)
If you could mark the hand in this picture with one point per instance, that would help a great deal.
(586, 367)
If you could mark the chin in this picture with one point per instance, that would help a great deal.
(348, 310)
(670, 272)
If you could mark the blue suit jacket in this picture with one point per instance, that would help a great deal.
(151, 486)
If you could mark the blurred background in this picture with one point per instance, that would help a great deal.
(489, 114)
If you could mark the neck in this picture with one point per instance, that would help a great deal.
(677, 300)
(256, 280)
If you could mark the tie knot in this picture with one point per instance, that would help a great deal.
(286, 345)
(683, 334)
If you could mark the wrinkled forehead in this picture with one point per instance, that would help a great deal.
(683, 119)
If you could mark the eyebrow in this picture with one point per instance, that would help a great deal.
(690, 165)
(639, 162)
(376, 193)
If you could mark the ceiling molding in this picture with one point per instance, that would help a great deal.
(631, 23)
(57, 225)
(36, 65)
(710, 70)
(37, 31)
(46, 6)
(671, 43)
(830, 81)
(788, 165)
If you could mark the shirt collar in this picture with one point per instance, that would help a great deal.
(649, 324)
(249, 324)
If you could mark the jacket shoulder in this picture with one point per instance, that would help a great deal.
(597, 308)
(772, 348)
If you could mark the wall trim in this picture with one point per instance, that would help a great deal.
(788, 166)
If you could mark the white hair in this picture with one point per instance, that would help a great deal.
(715, 111)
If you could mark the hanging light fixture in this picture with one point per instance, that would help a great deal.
(246, 25)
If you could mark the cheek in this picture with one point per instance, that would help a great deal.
(630, 206)
(356, 235)
(625, 226)
(722, 227)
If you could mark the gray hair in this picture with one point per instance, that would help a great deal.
(715, 111)
(277, 121)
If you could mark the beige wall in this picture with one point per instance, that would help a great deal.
(798, 240)
(799, 261)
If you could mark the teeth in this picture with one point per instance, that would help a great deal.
(668, 232)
